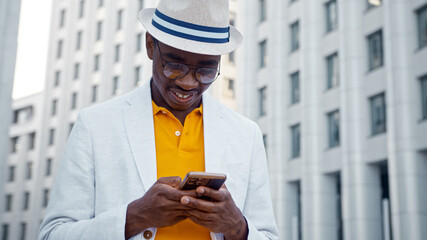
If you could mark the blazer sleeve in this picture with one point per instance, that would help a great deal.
(258, 208)
(71, 210)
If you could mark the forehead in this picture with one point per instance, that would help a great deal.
(174, 54)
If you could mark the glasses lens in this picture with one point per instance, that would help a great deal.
(175, 70)
(206, 75)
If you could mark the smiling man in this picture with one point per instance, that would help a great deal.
(125, 158)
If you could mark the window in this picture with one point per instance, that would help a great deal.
(62, 18)
(57, 78)
(29, 170)
(137, 75)
(262, 10)
(262, 101)
(94, 93)
(332, 65)
(11, 175)
(334, 128)
(54, 107)
(231, 57)
(76, 70)
(140, 5)
(26, 201)
(295, 141)
(96, 63)
(100, 3)
(81, 8)
(117, 53)
(119, 19)
(378, 114)
(48, 171)
(116, 85)
(22, 115)
(70, 127)
(98, 30)
(139, 42)
(387, 227)
(59, 49)
(79, 40)
(263, 59)
(295, 92)
(231, 86)
(14, 144)
(51, 136)
(8, 206)
(5, 231)
(375, 44)
(424, 96)
(294, 36)
(291, 1)
(422, 26)
(373, 3)
(74, 100)
(23, 230)
(45, 197)
(331, 15)
(31, 140)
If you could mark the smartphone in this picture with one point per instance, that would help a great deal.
(194, 179)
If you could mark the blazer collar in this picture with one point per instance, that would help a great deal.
(138, 118)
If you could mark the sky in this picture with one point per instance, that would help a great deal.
(33, 40)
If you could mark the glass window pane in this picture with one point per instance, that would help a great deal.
(295, 88)
(378, 114)
(295, 36)
(332, 71)
(424, 96)
(375, 50)
(262, 101)
(334, 129)
(263, 54)
(296, 141)
(422, 26)
(331, 15)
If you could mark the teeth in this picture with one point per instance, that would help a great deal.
(181, 96)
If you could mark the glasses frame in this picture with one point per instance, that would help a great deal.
(189, 66)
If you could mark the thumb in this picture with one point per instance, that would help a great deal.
(171, 181)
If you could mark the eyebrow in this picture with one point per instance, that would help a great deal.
(176, 57)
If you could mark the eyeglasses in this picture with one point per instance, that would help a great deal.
(175, 70)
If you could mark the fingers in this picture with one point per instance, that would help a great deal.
(170, 181)
(203, 205)
(217, 195)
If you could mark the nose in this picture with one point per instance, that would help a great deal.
(188, 82)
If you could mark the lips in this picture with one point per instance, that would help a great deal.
(182, 97)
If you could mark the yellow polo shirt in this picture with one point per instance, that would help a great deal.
(179, 149)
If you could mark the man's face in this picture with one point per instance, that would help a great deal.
(182, 94)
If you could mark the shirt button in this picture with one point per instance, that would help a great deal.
(148, 234)
(177, 133)
(164, 112)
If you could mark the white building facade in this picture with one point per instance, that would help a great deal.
(97, 52)
(9, 19)
(23, 197)
(339, 88)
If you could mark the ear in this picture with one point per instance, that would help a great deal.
(149, 45)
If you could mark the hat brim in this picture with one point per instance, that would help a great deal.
(146, 16)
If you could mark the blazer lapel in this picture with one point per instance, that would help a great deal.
(214, 134)
(138, 117)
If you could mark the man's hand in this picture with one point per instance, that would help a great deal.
(159, 207)
(219, 215)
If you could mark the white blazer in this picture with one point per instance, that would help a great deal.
(110, 160)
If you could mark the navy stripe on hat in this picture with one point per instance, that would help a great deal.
(190, 31)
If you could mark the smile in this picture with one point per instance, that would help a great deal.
(182, 96)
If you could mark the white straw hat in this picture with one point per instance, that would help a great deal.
(198, 26)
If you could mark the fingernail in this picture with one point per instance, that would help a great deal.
(200, 190)
(185, 200)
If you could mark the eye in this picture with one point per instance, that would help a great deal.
(176, 66)
(207, 71)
